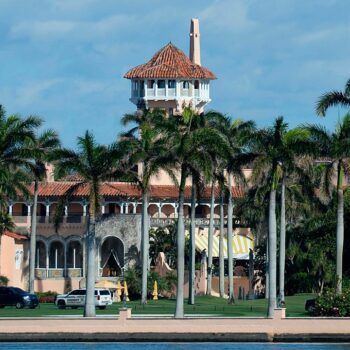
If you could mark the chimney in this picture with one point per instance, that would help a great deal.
(49, 172)
(195, 50)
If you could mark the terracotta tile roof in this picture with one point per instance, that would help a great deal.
(170, 62)
(15, 235)
(122, 189)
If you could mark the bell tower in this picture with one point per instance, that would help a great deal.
(171, 80)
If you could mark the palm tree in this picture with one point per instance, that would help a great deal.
(334, 148)
(190, 149)
(211, 238)
(333, 98)
(236, 134)
(40, 149)
(268, 145)
(149, 149)
(95, 164)
(14, 130)
(280, 158)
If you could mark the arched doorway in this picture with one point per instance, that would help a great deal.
(112, 257)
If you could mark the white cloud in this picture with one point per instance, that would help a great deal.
(33, 91)
(82, 30)
(227, 15)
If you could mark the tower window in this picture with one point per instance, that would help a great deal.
(161, 84)
(171, 84)
(186, 84)
(150, 84)
(196, 84)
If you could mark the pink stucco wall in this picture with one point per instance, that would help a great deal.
(15, 273)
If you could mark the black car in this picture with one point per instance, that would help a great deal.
(12, 296)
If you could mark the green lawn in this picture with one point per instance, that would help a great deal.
(204, 306)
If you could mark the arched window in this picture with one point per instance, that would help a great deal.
(171, 84)
(74, 255)
(112, 257)
(40, 256)
(186, 84)
(56, 256)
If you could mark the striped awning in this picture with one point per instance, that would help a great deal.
(241, 244)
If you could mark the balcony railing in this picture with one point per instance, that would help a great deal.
(21, 219)
(55, 273)
(43, 273)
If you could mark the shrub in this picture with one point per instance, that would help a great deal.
(331, 304)
(3, 280)
(133, 277)
(46, 297)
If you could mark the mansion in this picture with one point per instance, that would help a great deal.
(170, 80)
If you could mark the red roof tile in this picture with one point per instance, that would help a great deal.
(15, 235)
(170, 62)
(122, 189)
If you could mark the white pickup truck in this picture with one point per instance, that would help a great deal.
(76, 298)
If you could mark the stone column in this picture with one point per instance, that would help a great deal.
(10, 209)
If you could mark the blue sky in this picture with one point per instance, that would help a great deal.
(64, 59)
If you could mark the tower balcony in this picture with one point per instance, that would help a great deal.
(170, 90)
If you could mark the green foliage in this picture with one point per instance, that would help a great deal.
(331, 304)
(133, 279)
(4, 280)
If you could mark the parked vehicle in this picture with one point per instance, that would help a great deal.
(76, 298)
(12, 296)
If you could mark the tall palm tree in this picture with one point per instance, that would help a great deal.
(236, 134)
(334, 147)
(211, 238)
(40, 149)
(14, 130)
(333, 98)
(95, 164)
(279, 158)
(148, 148)
(190, 147)
(268, 145)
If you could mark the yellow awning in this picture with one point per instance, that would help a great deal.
(241, 244)
(106, 284)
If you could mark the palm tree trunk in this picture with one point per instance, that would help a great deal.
(231, 294)
(340, 229)
(32, 243)
(144, 246)
(192, 263)
(272, 253)
(180, 242)
(282, 243)
(210, 239)
(221, 250)
(90, 310)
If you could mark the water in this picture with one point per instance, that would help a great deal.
(171, 346)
